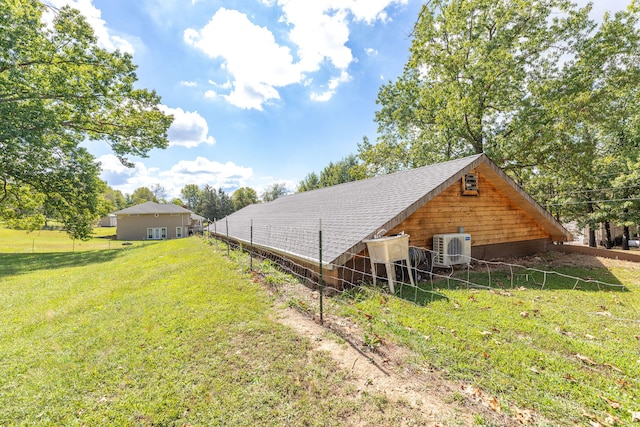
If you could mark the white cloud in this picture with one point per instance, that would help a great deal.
(250, 54)
(106, 39)
(332, 87)
(371, 51)
(204, 171)
(319, 35)
(367, 11)
(258, 65)
(123, 178)
(189, 129)
(188, 84)
(200, 171)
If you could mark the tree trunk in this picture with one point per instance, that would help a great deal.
(592, 237)
(625, 238)
(592, 231)
(609, 242)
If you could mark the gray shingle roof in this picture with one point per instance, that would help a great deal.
(349, 212)
(152, 208)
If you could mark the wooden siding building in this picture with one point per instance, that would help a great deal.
(470, 195)
(156, 221)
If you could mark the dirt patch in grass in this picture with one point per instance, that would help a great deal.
(576, 260)
(400, 375)
(390, 370)
(560, 259)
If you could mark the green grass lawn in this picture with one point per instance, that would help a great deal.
(571, 355)
(177, 333)
(16, 241)
(167, 334)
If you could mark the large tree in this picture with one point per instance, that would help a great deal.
(467, 86)
(214, 204)
(115, 199)
(244, 196)
(274, 191)
(342, 171)
(141, 195)
(58, 89)
(192, 195)
(593, 110)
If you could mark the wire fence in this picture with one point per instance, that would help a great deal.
(560, 340)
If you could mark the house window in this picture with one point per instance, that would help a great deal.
(178, 232)
(470, 184)
(157, 233)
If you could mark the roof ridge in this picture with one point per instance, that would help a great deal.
(387, 175)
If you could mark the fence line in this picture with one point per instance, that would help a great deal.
(502, 279)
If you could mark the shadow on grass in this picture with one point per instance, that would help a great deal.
(421, 294)
(14, 264)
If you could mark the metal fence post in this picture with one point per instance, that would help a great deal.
(320, 285)
(251, 249)
(226, 221)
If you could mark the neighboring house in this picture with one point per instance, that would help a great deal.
(108, 221)
(155, 221)
(196, 224)
(470, 195)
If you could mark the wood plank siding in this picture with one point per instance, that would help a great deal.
(491, 217)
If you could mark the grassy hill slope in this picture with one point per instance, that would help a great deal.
(169, 333)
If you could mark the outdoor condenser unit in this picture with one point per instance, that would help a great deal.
(451, 249)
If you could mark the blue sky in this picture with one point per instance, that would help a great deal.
(262, 91)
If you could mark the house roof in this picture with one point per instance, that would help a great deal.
(152, 208)
(352, 212)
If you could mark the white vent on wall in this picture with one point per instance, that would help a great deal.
(451, 249)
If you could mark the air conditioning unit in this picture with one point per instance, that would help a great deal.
(451, 249)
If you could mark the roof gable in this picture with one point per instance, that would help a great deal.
(152, 208)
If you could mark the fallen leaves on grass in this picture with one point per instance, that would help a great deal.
(592, 362)
(594, 421)
(563, 332)
(586, 360)
(525, 416)
(604, 313)
(482, 397)
(612, 403)
(609, 365)
(623, 383)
